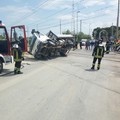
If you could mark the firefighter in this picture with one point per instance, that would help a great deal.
(17, 54)
(98, 53)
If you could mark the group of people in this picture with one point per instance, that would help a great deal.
(98, 54)
(89, 45)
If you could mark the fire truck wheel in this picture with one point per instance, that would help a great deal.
(63, 54)
(1, 66)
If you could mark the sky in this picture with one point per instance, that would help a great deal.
(59, 15)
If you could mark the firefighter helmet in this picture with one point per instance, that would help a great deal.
(15, 46)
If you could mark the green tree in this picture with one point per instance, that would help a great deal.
(81, 35)
(78, 36)
(110, 30)
(66, 32)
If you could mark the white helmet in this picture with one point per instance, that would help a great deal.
(15, 46)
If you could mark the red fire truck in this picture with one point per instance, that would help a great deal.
(18, 34)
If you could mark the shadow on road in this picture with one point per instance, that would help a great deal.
(6, 74)
(90, 70)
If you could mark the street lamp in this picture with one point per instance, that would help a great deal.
(60, 26)
(90, 28)
(77, 23)
(80, 26)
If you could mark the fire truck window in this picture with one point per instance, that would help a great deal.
(3, 42)
(2, 34)
(18, 36)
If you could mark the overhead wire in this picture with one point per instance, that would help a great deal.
(101, 9)
(45, 20)
(28, 15)
(91, 17)
(51, 15)
(39, 6)
(95, 10)
(69, 22)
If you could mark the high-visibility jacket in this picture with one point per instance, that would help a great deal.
(98, 51)
(17, 54)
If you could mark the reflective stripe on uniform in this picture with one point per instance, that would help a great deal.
(97, 55)
(15, 53)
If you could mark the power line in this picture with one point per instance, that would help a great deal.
(51, 15)
(45, 20)
(69, 22)
(84, 18)
(48, 17)
(58, 13)
(26, 16)
(92, 17)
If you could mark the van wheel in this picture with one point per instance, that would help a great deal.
(1, 66)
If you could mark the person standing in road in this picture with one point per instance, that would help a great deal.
(80, 44)
(17, 54)
(98, 53)
(107, 47)
(87, 45)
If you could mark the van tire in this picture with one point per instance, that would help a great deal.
(1, 66)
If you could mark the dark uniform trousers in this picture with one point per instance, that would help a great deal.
(99, 62)
(17, 66)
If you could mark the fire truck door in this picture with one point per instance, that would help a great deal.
(18, 35)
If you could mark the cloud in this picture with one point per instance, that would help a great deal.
(65, 17)
(88, 3)
(56, 4)
(15, 9)
(107, 11)
(16, 0)
(113, 2)
(14, 13)
(54, 10)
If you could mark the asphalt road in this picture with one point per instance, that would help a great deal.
(62, 88)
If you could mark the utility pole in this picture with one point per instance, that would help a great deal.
(77, 23)
(112, 30)
(60, 26)
(80, 26)
(90, 29)
(73, 18)
(117, 20)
